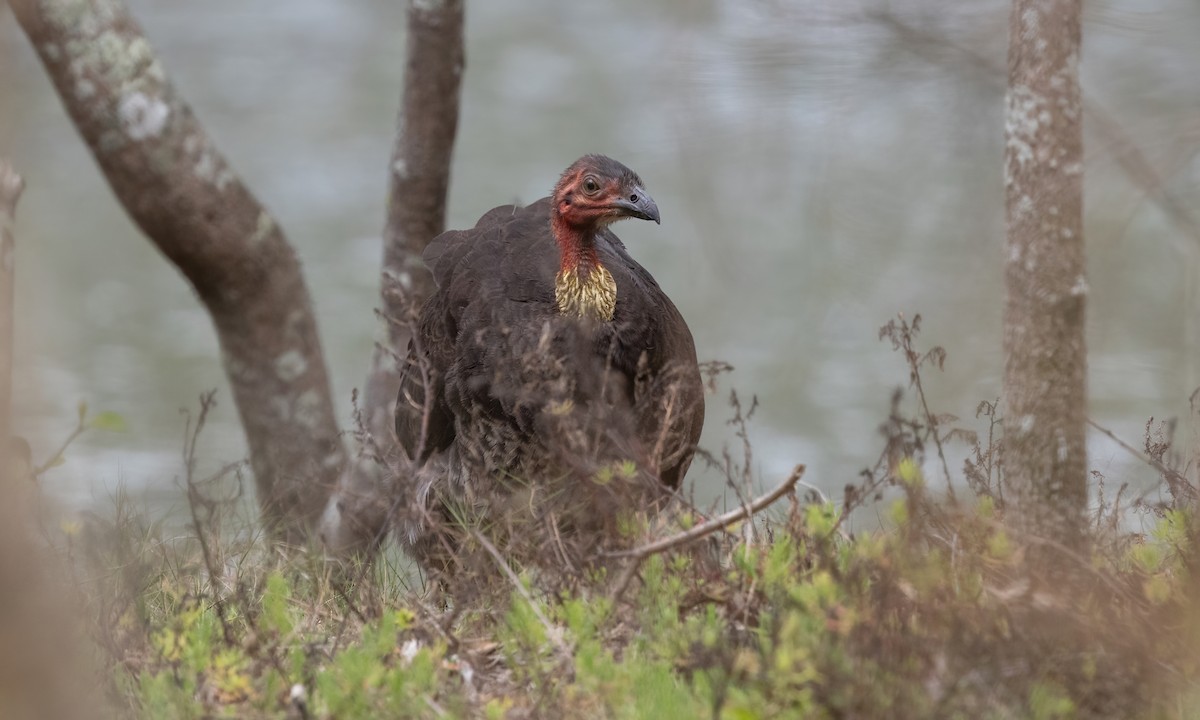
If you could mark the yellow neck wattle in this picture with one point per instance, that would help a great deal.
(586, 292)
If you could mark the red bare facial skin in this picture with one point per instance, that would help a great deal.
(593, 193)
(577, 217)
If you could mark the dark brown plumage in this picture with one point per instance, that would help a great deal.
(531, 368)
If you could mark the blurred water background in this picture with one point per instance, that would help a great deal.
(820, 166)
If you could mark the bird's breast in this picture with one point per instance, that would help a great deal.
(586, 292)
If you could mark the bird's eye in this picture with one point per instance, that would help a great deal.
(633, 198)
(590, 185)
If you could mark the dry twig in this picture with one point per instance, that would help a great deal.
(195, 501)
(638, 554)
(551, 632)
(1174, 478)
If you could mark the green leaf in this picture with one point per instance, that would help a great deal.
(1000, 546)
(276, 604)
(1048, 701)
(1147, 558)
(910, 473)
(109, 421)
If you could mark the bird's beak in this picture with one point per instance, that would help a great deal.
(637, 203)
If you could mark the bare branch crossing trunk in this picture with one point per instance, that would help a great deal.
(419, 178)
(1045, 364)
(173, 182)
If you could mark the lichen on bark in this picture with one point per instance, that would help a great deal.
(179, 189)
(1044, 346)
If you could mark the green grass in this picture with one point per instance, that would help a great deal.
(943, 611)
(935, 615)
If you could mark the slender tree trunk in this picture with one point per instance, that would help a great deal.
(10, 191)
(181, 192)
(40, 672)
(419, 180)
(1045, 355)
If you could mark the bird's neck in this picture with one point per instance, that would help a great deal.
(583, 287)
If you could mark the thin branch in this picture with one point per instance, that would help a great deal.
(405, 468)
(1128, 156)
(637, 555)
(551, 632)
(718, 523)
(194, 500)
(934, 426)
(1131, 449)
(1172, 476)
(376, 532)
(55, 458)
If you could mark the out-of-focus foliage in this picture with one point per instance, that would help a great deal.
(935, 616)
(943, 611)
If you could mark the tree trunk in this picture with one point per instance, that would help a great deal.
(419, 179)
(40, 667)
(180, 191)
(1045, 354)
(10, 191)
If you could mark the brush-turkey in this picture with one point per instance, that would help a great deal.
(548, 352)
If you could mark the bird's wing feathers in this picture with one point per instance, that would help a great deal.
(470, 268)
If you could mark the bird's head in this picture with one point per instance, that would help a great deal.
(596, 191)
